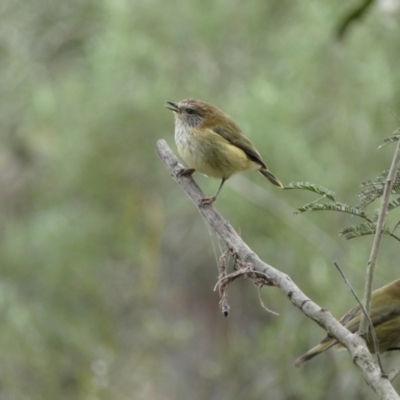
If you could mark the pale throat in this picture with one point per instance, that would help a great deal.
(184, 140)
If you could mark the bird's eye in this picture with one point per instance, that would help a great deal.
(190, 110)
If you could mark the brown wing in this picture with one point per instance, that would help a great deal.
(381, 311)
(351, 319)
(239, 140)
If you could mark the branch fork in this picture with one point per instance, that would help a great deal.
(354, 344)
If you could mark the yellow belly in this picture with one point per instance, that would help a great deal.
(210, 154)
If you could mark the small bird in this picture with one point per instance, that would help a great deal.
(210, 142)
(385, 317)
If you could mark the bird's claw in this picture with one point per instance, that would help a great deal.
(206, 201)
(185, 171)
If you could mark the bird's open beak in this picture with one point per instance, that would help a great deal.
(172, 106)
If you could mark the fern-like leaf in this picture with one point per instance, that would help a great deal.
(365, 226)
(376, 215)
(374, 189)
(364, 229)
(353, 231)
(368, 183)
(391, 139)
(332, 206)
(394, 204)
(312, 187)
(379, 180)
(369, 195)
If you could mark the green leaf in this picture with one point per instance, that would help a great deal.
(374, 189)
(376, 215)
(353, 231)
(312, 187)
(368, 183)
(368, 196)
(337, 206)
(363, 229)
(394, 204)
(391, 139)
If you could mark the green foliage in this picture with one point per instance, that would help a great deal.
(312, 187)
(394, 204)
(374, 191)
(341, 207)
(363, 229)
(368, 196)
(391, 139)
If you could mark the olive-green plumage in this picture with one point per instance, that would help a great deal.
(210, 142)
(385, 316)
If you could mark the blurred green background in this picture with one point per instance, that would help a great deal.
(106, 268)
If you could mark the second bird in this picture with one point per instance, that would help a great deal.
(210, 142)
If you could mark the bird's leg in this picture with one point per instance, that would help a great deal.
(209, 200)
(185, 171)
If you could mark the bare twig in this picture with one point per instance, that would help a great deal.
(371, 325)
(262, 303)
(377, 239)
(245, 270)
(322, 317)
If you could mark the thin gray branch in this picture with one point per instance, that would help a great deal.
(322, 317)
(380, 225)
(371, 325)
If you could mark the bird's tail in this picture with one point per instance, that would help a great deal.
(271, 177)
(326, 344)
